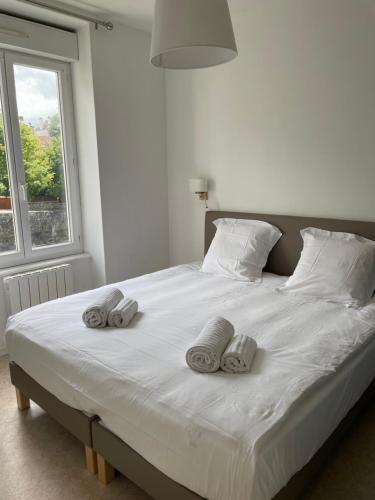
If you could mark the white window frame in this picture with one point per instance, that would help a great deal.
(25, 253)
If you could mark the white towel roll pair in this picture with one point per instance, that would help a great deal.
(217, 347)
(111, 309)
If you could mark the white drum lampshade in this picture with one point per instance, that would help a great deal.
(198, 185)
(191, 34)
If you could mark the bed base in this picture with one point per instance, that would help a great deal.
(23, 402)
(118, 455)
(105, 452)
(114, 453)
(76, 422)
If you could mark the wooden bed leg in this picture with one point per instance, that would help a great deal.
(23, 402)
(91, 462)
(106, 472)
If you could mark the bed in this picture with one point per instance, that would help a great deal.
(76, 422)
(179, 434)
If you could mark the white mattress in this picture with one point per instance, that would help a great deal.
(223, 436)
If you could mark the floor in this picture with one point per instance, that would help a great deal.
(39, 459)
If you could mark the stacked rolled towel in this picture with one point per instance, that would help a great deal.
(123, 313)
(239, 354)
(96, 315)
(205, 354)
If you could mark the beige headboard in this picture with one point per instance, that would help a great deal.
(284, 256)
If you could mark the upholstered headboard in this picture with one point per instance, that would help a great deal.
(284, 256)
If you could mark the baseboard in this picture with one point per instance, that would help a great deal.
(3, 351)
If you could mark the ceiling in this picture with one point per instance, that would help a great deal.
(137, 13)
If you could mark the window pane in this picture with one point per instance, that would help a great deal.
(38, 102)
(8, 242)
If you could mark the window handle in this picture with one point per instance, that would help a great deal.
(19, 34)
(22, 191)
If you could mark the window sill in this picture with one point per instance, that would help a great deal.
(32, 266)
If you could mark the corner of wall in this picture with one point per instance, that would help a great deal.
(88, 161)
(130, 121)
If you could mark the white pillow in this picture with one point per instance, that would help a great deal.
(336, 267)
(240, 248)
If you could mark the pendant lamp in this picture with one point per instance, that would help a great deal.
(191, 34)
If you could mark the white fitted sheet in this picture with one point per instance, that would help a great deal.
(223, 436)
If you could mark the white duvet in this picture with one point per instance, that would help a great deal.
(205, 431)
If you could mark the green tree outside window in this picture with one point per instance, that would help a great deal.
(43, 164)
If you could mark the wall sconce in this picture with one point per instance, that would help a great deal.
(200, 187)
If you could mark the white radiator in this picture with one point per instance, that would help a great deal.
(29, 289)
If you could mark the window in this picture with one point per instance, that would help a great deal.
(39, 205)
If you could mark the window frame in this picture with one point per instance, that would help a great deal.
(8, 258)
(25, 253)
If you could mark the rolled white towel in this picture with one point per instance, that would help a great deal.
(239, 354)
(123, 313)
(205, 354)
(96, 315)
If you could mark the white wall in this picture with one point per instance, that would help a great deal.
(288, 127)
(120, 116)
(88, 161)
(130, 122)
